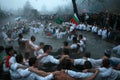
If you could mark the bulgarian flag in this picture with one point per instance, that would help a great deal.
(75, 19)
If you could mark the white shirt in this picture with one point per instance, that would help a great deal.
(117, 48)
(88, 27)
(80, 26)
(95, 29)
(95, 63)
(18, 74)
(107, 73)
(71, 28)
(49, 58)
(113, 75)
(39, 53)
(104, 32)
(70, 38)
(4, 35)
(100, 32)
(78, 74)
(84, 27)
(14, 35)
(79, 61)
(115, 59)
(23, 39)
(32, 44)
(73, 46)
(81, 43)
(25, 74)
(12, 60)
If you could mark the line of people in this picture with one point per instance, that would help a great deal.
(98, 69)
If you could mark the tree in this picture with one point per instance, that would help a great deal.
(3, 14)
(34, 14)
(27, 9)
(29, 12)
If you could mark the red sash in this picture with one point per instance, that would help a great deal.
(7, 61)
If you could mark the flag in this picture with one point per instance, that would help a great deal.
(59, 20)
(75, 19)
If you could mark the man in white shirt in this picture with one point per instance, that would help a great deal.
(17, 70)
(116, 49)
(74, 45)
(82, 41)
(40, 50)
(115, 62)
(48, 58)
(11, 60)
(5, 37)
(88, 27)
(104, 33)
(88, 73)
(95, 63)
(106, 72)
(38, 74)
(99, 33)
(81, 75)
(24, 73)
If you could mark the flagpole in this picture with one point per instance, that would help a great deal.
(75, 8)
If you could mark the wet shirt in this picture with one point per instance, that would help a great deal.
(49, 58)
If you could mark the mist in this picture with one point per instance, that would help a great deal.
(40, 5)
(61, 6)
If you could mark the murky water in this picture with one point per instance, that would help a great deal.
(94, 44)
